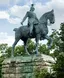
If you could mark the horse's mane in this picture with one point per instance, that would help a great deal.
(44, 16)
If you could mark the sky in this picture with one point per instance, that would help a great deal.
(13, 11)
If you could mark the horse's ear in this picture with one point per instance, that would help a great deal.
(52, 10)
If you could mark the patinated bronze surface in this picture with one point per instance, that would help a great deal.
(35, 29)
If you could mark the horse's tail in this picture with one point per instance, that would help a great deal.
(15, 29)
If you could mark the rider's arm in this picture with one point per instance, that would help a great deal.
(24, 17)
(36, 18)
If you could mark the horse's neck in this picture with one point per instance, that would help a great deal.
(43, 19)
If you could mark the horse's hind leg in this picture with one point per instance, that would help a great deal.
(51, 41)
(37, 47)
(37, 42)
(25, 47)
(13, 46)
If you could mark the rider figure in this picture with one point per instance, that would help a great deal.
(32, 18)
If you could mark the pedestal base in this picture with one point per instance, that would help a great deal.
(21, 67)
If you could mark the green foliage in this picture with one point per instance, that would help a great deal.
(8, 51)
(62, 31)
(43, 73)
(3, 48)
(56, 40)
(19, 50)
(40, 73)
(43, 49)
(56, 43)
(31, 46)
(59, 66)
(59, 53)
(1, 60)
(61, 46)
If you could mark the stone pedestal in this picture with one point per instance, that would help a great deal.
(21, 67)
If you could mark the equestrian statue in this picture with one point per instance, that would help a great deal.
(36, 28)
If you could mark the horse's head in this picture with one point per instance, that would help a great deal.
(51, 17)
(48, 16)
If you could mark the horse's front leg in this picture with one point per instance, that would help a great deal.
(51, 41)
(25, 47)
(37, 42)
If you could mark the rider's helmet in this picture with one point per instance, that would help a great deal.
(32, 7)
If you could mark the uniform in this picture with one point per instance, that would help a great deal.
(32, 19)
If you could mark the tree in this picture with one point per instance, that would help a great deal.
(31, 46)
(43, 49)
(42, 73)
(19, 50)
(62, 37)
(59, 65)
(56, 43)
(8, 51)
(1, 60)
(3, 48)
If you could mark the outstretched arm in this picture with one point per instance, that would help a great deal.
(24, 18)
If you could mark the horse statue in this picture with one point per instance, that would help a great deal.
(40, 32)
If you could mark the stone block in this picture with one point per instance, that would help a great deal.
(5, 70)
(12, 70)
(5, 76)
(12, 76)
(21, 67)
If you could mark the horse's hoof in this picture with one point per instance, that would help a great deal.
(28, 54)
(37, 54)
(12, 56)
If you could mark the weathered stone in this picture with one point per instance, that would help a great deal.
(5, 66)
(21, 67)
(5, 70)
(18, 70)
(12, 76)
(18, 76)
(5, 76)
(12, 70)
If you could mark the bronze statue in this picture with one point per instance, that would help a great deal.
(39, 31)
